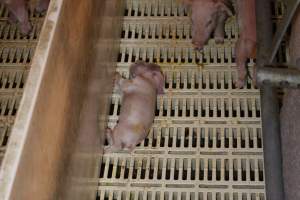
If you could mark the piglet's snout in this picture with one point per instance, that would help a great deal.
(198, 45)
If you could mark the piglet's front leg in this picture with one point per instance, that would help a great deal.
(121, 83)
(245, 49)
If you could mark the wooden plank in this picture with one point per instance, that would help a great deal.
(56, 140)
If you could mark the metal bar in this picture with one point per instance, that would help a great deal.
(278, 77)
(270, 106)
(272, 144)
(283, 26)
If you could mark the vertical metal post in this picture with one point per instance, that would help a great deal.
(270, 107)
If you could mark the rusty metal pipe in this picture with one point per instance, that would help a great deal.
(270, 106)
(278, 77)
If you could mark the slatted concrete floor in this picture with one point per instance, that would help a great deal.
(16, 52)
(206, 141)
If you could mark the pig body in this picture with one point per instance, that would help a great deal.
(138, 107)
(18, 13)
(208, 17)
(246, 44)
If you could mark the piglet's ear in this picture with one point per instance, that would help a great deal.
(160, 82)
(228, 8)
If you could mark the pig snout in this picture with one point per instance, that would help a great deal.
(198, 44)
(42, 6)
(198, 47)
(199, 36)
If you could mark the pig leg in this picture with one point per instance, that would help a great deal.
(220, 28)
(241, 58)
(18, 9)
(113, 145)
(123, 84)
(112, 149)
(42, 6)
(131, 148)
(244, 50)
(12, 19)
(120, 83)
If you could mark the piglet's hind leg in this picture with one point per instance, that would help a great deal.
(113, 148)
(12, 18)
(114, 145)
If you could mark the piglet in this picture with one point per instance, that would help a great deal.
(18, 13)
(208, 16)
(246, 45)
(138, 106)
